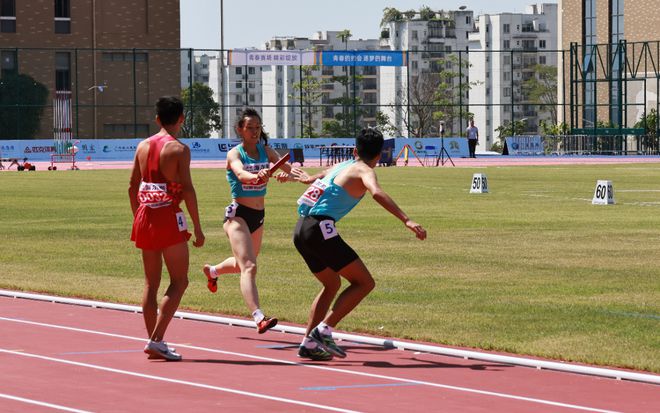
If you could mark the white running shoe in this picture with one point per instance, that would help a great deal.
(159, 350)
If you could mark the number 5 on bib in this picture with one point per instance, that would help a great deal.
(328, 228)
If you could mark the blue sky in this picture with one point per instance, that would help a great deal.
(250, 24)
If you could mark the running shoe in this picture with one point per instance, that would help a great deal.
(327, 343)
(212, 283)
(317, 353)
(152, 357)
(159, 350)
(266, 324)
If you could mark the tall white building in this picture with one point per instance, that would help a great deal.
(504, 50)
(282, 112)
(429, 42)
(195, 70)
(243, 88)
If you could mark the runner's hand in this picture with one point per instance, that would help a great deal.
(199, 238)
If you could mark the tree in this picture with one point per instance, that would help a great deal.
(410, 14)
(553, 135)
(385, 126)
(201, 111)
(542, 88)
(434, 96)
(22, 102)
(309, 91)
(425, 13)
(650, 124)
(510, 129)
(390, 14)
(344, 35)
(344, 123)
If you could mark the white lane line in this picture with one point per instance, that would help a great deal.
(42, 404)
(380, 342)
(176, 381)
(324, 368)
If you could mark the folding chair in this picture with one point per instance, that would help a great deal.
(430, 152)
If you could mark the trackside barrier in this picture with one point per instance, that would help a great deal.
(386, 343)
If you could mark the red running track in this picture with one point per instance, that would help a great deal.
(60, 357)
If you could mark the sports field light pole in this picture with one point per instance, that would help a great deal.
(222, 67)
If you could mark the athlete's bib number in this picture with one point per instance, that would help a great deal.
(181, 221)
(230, 211)
(328, 228)
(313, 193)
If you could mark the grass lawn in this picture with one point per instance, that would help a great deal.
(531, 268)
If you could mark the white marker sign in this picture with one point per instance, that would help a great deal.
(604, 193)
(479, 184)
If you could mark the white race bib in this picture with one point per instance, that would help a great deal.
(230, 211)
(181, 221)
(313, 193)
(328, 229)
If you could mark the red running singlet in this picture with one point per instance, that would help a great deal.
(159, 222)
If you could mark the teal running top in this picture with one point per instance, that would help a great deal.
(240, 189)
(326, 198)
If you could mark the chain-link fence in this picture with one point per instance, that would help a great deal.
(424, 94)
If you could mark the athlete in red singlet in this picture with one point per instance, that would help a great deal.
(159, 222)
(160, 180)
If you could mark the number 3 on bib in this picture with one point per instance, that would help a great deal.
(328, 228)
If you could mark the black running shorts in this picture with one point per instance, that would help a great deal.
(253, 217)
(320, 245)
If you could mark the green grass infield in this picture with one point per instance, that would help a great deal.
(531, 268)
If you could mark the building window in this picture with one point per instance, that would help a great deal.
(251, 84)
(251, 98)
(62, 17)
(62, 71)
(8, 63)
(541, 44)
(239, 84)
(541, 60)
(506, 44)
(506, 76)
(328, 112)
(616, 35)
(250, 70)
(467, 19)
(506, 28)
(589, 40)
(414, 35)
(506, 91)
(8, 16)
(239, 99)
(239, 70)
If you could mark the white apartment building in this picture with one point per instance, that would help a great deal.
(243, 88)
(282, 111)
(504, 50)
(428, 42)
(196, 70)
